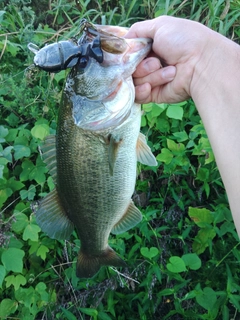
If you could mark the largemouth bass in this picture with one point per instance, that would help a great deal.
(94, 155)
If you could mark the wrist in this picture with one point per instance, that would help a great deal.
(216, 71)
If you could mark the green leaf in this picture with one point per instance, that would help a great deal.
(176, 148)
(14, 185)
(192, 261)
(1, 171)
(7, 306)
(157, 271)
(2, 12)
(103, 316)
(2, 274)
(176, 265)
(175, 112)
(203, 174)
(143, 121)
(165, 156)
(162, 124)
(3, 161)
(42, 251)
(68, 314)
(27, 167)
(203, 239)
(60, 76)
(3, 133)
(27, 296)
(15, 243)
(202, 217)
(181, 136)
(41, 289)
(13, 120)
(157, 109)
(12, 259)
(227, 226)
(31, 232)
(12, 48)
(89, 312)
(4, 195)
(21, 222)
(207, 298)
(40, 131)
(16, 281)
(38, 174)
(225, 313)
(21, 151)
(153, 112)
(7, 153)
(28, 194)
(166, 292)
(149, 253)
(234, 298)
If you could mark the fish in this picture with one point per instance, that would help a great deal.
(93, 156)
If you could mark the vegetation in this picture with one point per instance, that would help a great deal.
(183, 258)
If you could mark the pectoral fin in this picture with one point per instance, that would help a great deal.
(144, 153)
(129, 220)
(52, 218)
(114, 144)
(49, 155)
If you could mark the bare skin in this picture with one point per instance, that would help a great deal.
(204, 65)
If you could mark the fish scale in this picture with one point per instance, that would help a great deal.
(97, 181)
(94, 159)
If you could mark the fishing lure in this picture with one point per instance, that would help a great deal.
(65, 54)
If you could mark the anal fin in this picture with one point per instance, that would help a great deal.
(52, 218)
(129, 220)
(144, 153)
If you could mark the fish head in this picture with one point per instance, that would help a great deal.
(102, 94)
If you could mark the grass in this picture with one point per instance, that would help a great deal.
(177, 269)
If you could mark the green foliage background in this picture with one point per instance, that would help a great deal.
(183, 258)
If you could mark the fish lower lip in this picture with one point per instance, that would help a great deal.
(112, 95)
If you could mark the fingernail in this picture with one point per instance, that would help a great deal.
(169, 73)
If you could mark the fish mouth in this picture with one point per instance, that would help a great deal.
(119, 50)
(125, 53)
(110, 94)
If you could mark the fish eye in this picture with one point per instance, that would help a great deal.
(83, 61)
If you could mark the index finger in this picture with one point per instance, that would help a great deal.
(143, 29)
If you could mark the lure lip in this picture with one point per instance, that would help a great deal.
(33, 47)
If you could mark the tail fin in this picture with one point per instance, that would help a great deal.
(88, 265)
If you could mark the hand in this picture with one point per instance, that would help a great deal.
(180, 44)
(150, 75)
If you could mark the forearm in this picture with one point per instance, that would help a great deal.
(215, 89)
(207, 68)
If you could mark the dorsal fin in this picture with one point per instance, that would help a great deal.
(144, 153)
(49, 155)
